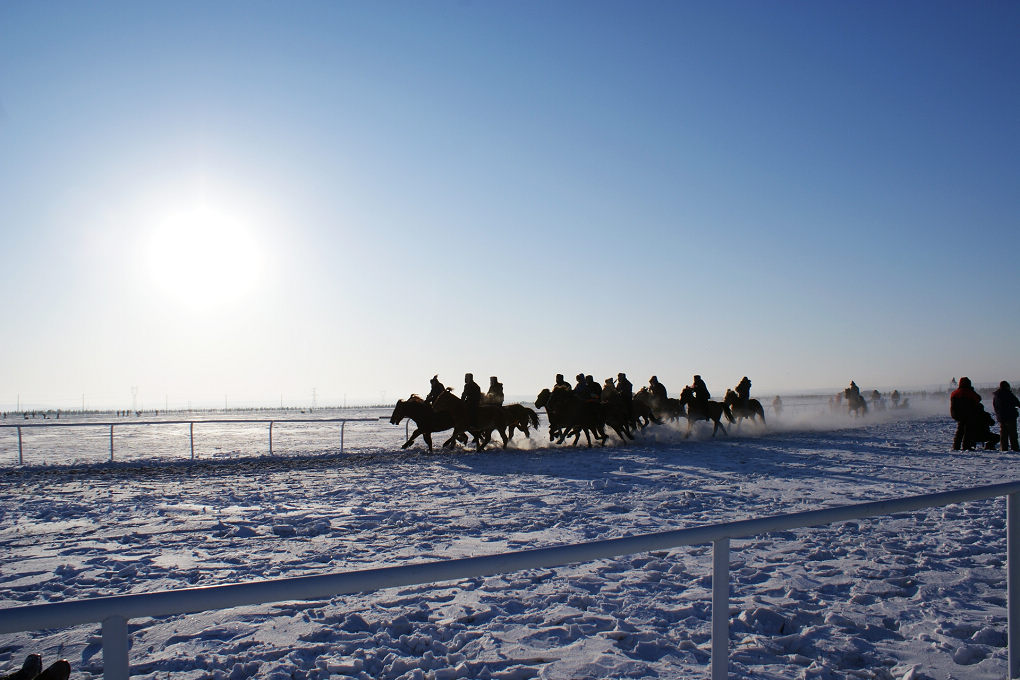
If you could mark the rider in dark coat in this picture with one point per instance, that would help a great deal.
(594, 389)
(1005, 404)
(626, 391)
(581, 388)
(658, 390)
(965, 408)
(701, 394)
(743, 391)
(560, 382)
(472, 397)
(437, 389)
(494, 396)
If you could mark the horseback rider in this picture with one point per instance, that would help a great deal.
(658, 391)
(609, 392)
(561, 383)
(471, 397)
(581, 388)
(435, 391)
(626, 391)
(701, 393)
(853, 390)
(594, 389)
(494, 397)
(744, 391)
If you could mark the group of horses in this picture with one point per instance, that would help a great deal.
(569, 416)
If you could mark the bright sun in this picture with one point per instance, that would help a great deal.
(203, 257)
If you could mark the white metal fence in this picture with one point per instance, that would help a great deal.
(114, 612)
(191, 428)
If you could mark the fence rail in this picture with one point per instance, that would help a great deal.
(191, 429)
(114, 612)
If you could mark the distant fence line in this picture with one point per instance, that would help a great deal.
(191, 428)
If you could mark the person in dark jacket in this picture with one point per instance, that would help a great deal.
(581, 388)
(594, 389)
(1005, 404)
(743, 391)
(494, 397)
(965, 408)
(626, 391)
(658, 390)
(472, 397)
(701, 394)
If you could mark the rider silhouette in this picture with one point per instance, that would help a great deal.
(744, 391)
(701, 394)
(472, 397)
(495, 394)
(657, 389)
(437, 389)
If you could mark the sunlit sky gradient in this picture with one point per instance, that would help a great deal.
(802, 192)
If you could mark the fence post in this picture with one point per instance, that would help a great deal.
(111, 442)
(191, 431)
(21, 456)
(343, 424)
(1013, 583)
(115, 648)
(270, 437)
(720, 608)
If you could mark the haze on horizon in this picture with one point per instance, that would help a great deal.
(248, 201)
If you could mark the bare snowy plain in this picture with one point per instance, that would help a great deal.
(917, 595)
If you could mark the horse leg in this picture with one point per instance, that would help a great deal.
(427, 436)
(414, 435)
(502, 433)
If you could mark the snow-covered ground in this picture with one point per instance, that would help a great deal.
(920, 595)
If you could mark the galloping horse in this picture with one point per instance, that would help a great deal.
(711, 410)
(426, 420)
(855, 402)
(487, 418)
(520, 417)
(670, 409)
(569, 415)
(752, 409)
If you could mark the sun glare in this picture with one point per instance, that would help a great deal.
(203, 257)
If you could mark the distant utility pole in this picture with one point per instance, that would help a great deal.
(314, 398)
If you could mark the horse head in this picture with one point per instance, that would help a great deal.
(543, 398)
(398, 412)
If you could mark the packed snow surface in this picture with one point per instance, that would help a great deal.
(916, 595)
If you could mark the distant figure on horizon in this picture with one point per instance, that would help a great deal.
(777, 405)
(895, 398)
(1005, 404)
(965, 408)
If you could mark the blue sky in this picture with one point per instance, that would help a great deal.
(251, 200)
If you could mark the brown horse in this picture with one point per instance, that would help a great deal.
(710, 410)
(752, 409)
(855, 403)
(426, 419)
(520, 417)
(570, 415)
(486, 419)
(671, 409)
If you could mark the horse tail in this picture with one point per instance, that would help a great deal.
(728, 413)
(532, 417)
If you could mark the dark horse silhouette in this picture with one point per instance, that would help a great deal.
(569, 415)
(487, 419)
(426, 420)
(855, 402)
(670, 409)
(520, 417)
(711, 410)
(753, 409)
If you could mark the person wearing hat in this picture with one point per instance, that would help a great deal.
(561, 383)
(581, 388)
(494, 396)
(1005, 404)
(472, 397)
(965, 408)
(626, 392)
(701, 394)
(743, 391)
(658, 391)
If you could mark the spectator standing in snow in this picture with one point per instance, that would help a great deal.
(1005, 404)
(965, 408)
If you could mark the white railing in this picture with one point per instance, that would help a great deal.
(114, 612)
(191, 429)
